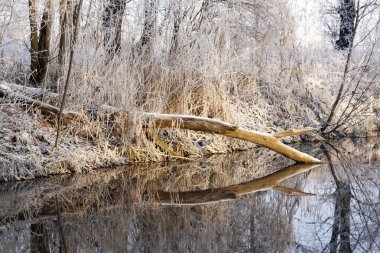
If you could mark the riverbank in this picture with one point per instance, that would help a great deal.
(27, 135)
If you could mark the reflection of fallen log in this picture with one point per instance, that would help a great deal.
(291, 191)
(213, 126)
(231, 192)
(105, 190)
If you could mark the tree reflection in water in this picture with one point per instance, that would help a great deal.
(341, 224)
(234, 207)
(349, 201)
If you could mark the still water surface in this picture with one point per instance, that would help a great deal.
(254, 201)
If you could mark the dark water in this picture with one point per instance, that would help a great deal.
(255, 201)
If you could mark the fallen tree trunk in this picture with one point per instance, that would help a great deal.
(32, 92)
(7, 91)
(271, 181)
(271, 141)
(207, 125)
(214, 126)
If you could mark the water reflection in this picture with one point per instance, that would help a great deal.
(330, 208)
(268, 182)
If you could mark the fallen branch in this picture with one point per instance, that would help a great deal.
(160, 121)
(32, 92)
(294, 132)
(271, 141)
(271, 181)
(214, 126)
(6, 91)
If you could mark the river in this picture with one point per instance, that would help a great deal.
(253, 201)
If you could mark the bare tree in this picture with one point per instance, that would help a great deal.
(176, 26)
(347, 15)
(40, 41)
(112, 25)
(76, 21)
(65, 5)
(144, 46)
(360, 73)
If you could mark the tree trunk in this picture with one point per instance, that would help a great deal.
(40, 41)
(271, 141)
(7, 91)
(33, 36)
(112, 24)
(76, 22)
(63, 30)
(144, 46)
(347, 14)
(345, 74)
(175, 36)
